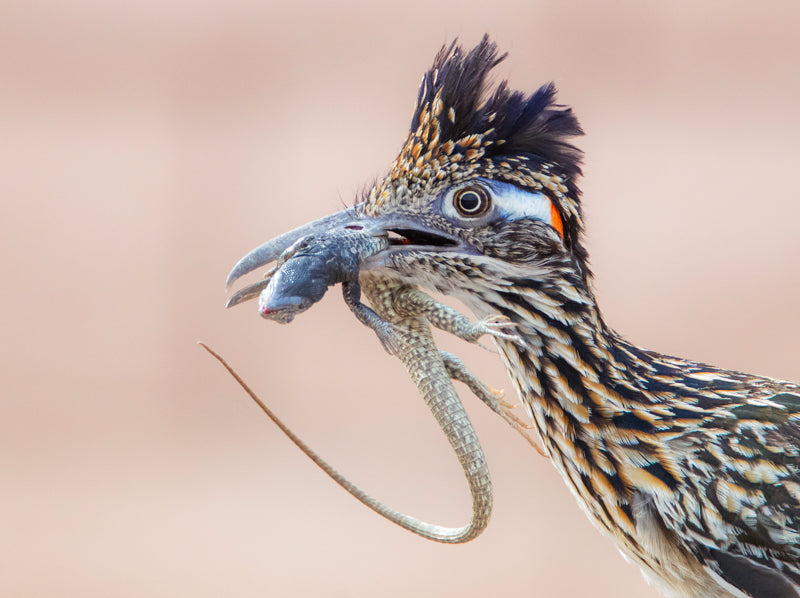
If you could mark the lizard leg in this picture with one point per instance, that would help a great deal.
(290, 251)
(367, 316)
(414, 302)
(491, 397)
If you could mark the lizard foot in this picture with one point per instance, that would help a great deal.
(497, 326)
(290, 251)
(524, 428)
(501, 327)
(492, 397)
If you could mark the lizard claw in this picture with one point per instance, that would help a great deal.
(290, 251)
(520, 425)
(499, 327)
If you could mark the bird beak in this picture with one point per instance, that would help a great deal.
(272, 249)
(403, 233)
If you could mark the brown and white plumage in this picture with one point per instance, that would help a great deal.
(692, 470)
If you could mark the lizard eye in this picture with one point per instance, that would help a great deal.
(472, 201)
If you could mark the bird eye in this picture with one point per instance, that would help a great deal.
(471, 201)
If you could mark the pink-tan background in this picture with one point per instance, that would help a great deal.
(146, 146)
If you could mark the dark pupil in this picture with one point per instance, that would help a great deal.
(469, 201)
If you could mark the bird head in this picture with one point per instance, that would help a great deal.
(483, 190)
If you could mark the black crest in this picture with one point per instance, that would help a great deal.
(532, 126)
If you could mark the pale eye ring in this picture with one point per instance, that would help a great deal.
(472, 201)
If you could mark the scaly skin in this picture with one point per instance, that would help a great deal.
(691, 469)
(401, 319)
(414, 346)
(402, 305)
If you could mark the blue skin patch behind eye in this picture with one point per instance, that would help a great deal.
(514, 203)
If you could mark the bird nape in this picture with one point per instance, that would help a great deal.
(692, 470)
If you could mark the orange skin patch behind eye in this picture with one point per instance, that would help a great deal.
(555, 220)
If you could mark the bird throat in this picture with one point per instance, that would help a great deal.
(579, 382)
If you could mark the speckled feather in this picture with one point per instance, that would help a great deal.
(691, 469)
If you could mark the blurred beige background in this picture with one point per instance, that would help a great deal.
(146, 146)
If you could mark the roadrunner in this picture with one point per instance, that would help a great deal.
(692, 470)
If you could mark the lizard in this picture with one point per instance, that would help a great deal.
(401, 316)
